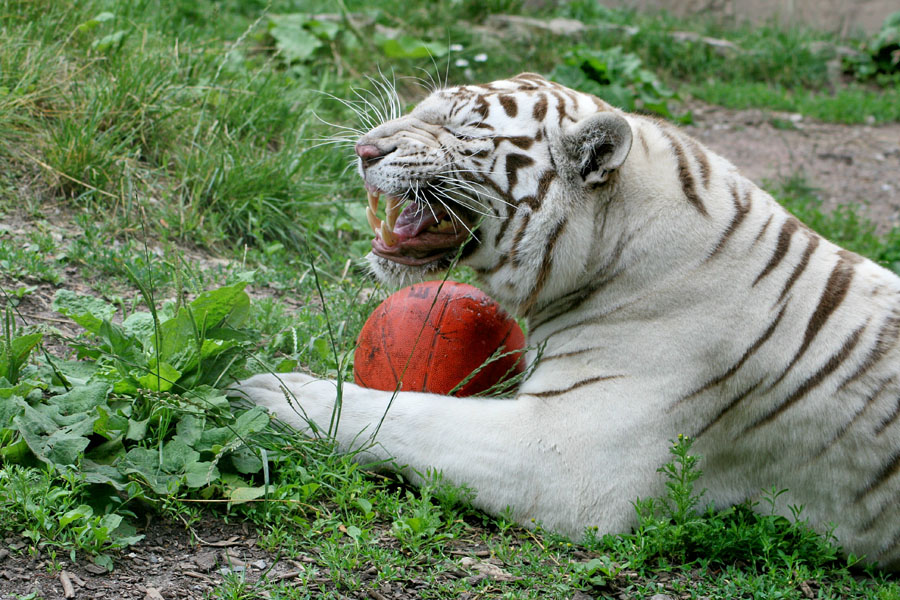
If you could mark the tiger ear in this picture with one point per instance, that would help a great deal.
(598, 145)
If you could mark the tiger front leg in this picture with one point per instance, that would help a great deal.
(514, 453)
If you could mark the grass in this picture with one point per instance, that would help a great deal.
(138, 138)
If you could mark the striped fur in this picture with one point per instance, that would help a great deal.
(672, 296)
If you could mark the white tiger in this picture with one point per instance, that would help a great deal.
(673, 296)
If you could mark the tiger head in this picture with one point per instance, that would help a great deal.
(508, 177)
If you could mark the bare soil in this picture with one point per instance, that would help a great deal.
(850, 164)
(857, 165)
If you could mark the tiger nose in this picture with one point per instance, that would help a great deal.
(369, 154)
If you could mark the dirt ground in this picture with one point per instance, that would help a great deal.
(855, 164)
(848, 164)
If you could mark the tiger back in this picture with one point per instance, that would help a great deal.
(670, 296)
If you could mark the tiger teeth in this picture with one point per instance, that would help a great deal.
(392, 211)
(388, 235)
(374, 221)
(383, 228)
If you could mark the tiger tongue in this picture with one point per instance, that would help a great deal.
(415, 219)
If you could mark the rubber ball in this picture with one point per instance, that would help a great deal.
(432, 337)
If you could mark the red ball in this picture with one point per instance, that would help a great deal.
(432, 336)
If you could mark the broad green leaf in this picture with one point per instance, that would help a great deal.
(140, 325)
(159, 379)
(255, 419)
(326, 30)
(200, 474)
(293, 41)
(404, 46)
(15, 452)
(243, 494)
(213, 307)
(95, 22)
(107, 452)
(111, 521)
(111, 41)
(246, 461)
(87, 311)
(82, 511)
(81, 399)
(364, 505)
(77, 372)
(209, 398)
(137, 430)
(177, 455)
(21, 389)
(21, 346)
(110, 424)
(144, 463)
(214, 438)
(189, 429)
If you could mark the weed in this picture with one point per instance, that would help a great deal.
(615, 76)
(880, 55)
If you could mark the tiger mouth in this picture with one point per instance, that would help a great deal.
(418, 234)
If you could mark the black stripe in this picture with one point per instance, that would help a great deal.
(888, 470)
(540, 108)
(835, 290)
(781, 247)
(514, 162)
(740, 212)
(701, 158)
(811, 246)
(546, 264)
(811, 382)
(889, 420)
(688, 187)
(573, 386)
(734, 368)
(890, 548)
(762, 231)
(868, 402)
(517, 239)
(884, 341)
(568, 354)
(731, 404)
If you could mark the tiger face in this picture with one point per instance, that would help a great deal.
(505, 177)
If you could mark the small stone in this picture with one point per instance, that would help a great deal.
(153, 594)
(259, 564)
(661, 597)
(205, 561)
(3, 553)
(94, 569)
(234, 570)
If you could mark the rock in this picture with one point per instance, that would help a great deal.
(486, 570)
(661, 597)
(153, 594)
(205, 561)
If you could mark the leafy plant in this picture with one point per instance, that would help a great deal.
(48, 507)
(880, 54)
(671, 529)
(14, 350)
(298, 37)
(615, 76)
